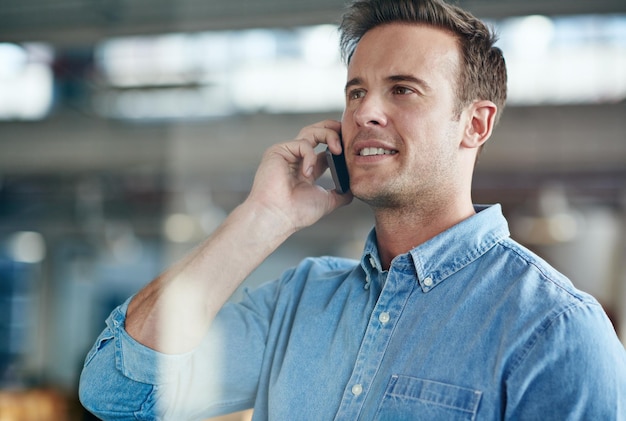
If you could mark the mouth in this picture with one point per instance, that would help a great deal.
(376, 151)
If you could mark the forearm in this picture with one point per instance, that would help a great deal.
(173, 312)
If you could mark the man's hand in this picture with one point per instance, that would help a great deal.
(285, 182)
(173, 312)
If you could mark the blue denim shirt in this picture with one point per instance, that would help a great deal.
(467, 326)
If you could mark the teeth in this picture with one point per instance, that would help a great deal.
(375, 151)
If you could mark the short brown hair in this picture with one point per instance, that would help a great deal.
(483, 72)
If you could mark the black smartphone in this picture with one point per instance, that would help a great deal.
(339, 171)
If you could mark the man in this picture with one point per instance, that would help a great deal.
(444, 318)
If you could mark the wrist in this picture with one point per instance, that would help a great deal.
(265, 222)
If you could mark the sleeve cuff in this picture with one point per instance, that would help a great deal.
(138, 362)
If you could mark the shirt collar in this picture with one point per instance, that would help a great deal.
(445, 254)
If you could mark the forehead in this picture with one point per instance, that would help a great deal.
(406, 48)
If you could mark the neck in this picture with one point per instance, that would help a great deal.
(398, 230)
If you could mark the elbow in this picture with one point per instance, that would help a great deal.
(111, 396)
(105, 392)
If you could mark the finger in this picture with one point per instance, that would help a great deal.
(301, 151)
(326, 132)
(333, 125)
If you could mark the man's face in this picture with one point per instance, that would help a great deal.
(400, 130)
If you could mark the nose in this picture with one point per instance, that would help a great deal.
(370, 112)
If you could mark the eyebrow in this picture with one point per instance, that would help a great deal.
(409, 78)
(394, 78)
(353, 82)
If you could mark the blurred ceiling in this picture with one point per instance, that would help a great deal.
(85, 21)
(43, 164)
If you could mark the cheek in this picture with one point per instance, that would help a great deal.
(347, 125)
(430, 144)
(347, 115)
(425, 126)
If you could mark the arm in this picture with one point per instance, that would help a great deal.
(173, 312)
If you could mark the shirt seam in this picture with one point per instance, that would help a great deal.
(545, 325)
(544, 275)
(540, 332)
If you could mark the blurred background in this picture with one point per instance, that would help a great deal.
(129, 129)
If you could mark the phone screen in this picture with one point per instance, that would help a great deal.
(339, 171)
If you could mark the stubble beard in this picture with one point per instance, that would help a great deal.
(419, 194)
(395, 197)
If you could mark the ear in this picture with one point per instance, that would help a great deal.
(481, 117)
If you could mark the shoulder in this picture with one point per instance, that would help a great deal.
(313, 267)
(536, 303)
(327, 270)
(531, 271)
(558, 317)
(329, 264)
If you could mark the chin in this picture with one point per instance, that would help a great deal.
(376, 199)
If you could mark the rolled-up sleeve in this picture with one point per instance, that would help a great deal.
(112, 385)
(125, 380)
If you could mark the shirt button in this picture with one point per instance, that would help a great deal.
(373, 262)
(428, 281)
(357, 389)
(383, 317)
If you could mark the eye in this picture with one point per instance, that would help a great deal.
(356, 94)
(401, 90)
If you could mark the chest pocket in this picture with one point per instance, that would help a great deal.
(410, 398)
